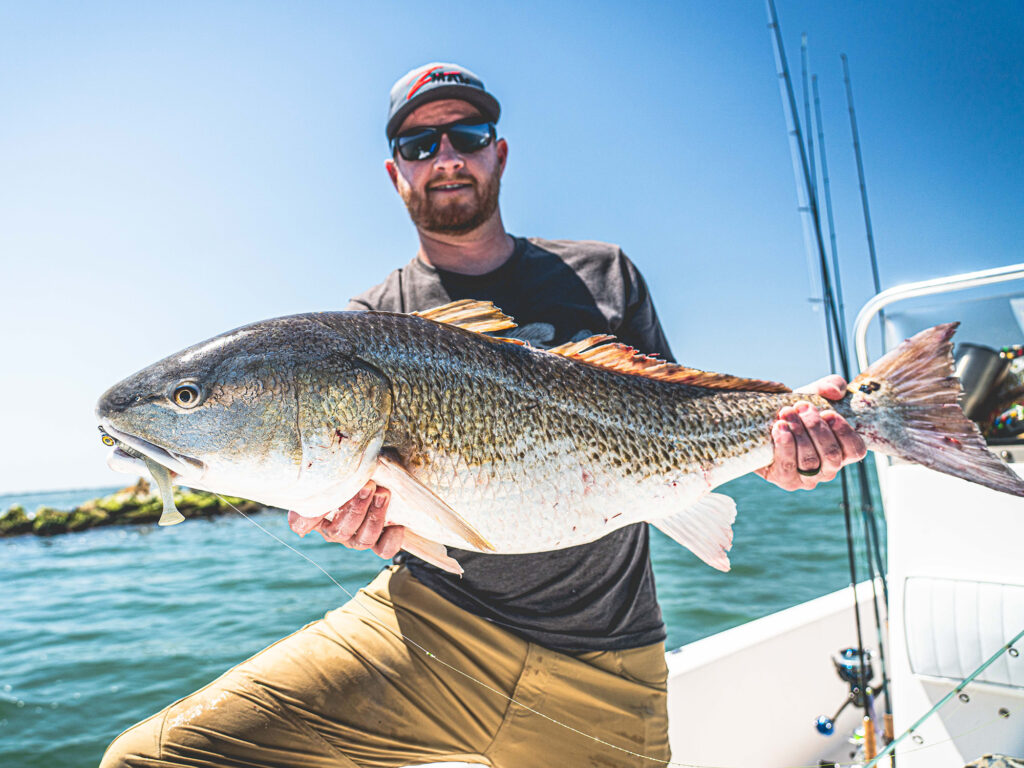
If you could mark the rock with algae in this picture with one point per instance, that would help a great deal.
(80, 519)
(14, 521)
(49, 521)
(132, 505)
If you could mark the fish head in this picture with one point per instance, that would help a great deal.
(282, 412)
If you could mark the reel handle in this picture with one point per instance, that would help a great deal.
(826, 725)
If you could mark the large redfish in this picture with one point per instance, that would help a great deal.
(496, 446)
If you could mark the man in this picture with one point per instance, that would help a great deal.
(527, 660)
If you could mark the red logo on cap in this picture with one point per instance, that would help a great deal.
(432, 75)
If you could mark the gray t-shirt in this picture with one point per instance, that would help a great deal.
(598, 596)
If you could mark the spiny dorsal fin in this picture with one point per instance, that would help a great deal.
(604, 352)
(601, 350)
(472, 315)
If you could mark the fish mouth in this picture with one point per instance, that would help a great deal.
(177, 463)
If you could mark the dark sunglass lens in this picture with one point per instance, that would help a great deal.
(470, 138)
(419, 145)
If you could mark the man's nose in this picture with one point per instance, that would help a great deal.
(447, 158)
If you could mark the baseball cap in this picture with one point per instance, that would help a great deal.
(432, 82)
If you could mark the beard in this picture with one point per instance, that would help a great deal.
(454, 217)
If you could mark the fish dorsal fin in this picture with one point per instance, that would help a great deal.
(604, 352)
(472, 315)
(601, 350)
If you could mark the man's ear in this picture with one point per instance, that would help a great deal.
(392, 169)
(501, 147)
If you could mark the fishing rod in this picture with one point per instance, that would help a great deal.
(828, 207)
(867, 508)
(798, 153)
(871, 536)
(813, 192)
(800, 168)
(863, 188)
(807, 119)
(871, 254)
(871, 527)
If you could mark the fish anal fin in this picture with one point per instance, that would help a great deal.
(430, 552)
(704, 528)
(604, 352)
(391, 474)
(470, 315)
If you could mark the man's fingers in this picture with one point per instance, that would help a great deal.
(350, 516)
(805, 439)
(373, 523)
(302, 525)
(360, 523)
(806, 453)
(390, 541)
(829, 456)
(851, 443)
(785, 447)
(782, 470)
(831, 387)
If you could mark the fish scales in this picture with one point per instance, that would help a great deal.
(503, 427)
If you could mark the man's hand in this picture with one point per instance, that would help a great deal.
(358, 523)
(807, 440)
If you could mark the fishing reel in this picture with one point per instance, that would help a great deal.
(850, 670)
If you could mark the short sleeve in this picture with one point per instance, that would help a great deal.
(640, 325)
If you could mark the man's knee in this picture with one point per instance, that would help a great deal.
(138, 747)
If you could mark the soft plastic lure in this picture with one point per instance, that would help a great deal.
(161, 476)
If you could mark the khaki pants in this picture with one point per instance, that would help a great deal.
(348, 691)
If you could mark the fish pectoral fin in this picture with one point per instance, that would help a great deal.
(430, 552)
(397, 478)
(705, 529)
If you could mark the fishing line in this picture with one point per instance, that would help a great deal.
(1006, 647)
(596, 739)
(968, 732)
(458, 671)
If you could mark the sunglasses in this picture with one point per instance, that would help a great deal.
(423, 143)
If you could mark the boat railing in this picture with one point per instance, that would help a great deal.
(924, 288)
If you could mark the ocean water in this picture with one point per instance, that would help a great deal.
(100, 629)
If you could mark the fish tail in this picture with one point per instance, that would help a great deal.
(906, 405)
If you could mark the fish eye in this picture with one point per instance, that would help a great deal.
(186, 395)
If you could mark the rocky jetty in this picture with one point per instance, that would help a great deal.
(135, 504)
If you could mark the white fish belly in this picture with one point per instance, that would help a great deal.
(561, 504)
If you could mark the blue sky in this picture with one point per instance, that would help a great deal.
(169, 171)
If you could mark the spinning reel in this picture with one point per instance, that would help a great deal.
(848, 666)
